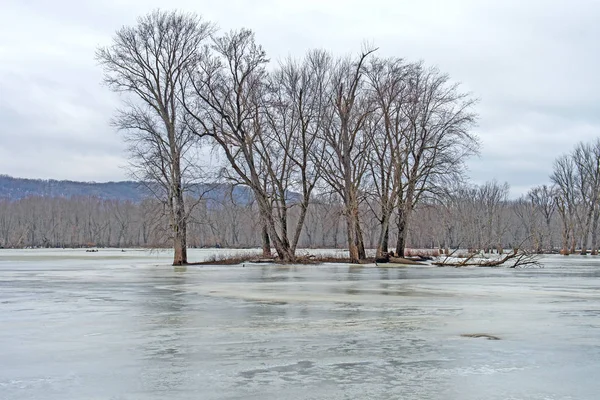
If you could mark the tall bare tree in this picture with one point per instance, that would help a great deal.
(267, 126)
(148, 62)
(297, 112)
(435, 140)
(577, 179)
(586, 157)
(226, 102)
(388, 88)
(348, 142)
(235, 102)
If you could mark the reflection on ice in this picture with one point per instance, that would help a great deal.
(128, 326)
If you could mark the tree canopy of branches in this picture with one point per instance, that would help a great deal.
(422, 138)
(373, 132)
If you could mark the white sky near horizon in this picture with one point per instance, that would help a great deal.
(533, 65)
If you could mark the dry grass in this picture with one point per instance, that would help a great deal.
(223, 259)
(305, 259)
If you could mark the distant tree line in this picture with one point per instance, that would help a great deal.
(94, 222)
(474, 217)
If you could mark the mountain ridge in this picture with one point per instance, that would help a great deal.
(12, 188)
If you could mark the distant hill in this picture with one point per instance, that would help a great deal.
(18, 188)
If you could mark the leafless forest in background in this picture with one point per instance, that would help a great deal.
(471, 217)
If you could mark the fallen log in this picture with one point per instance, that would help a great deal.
(405, 261)
(480, 335)
(517, 258)
(262, 261)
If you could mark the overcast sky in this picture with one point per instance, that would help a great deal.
(533, 64)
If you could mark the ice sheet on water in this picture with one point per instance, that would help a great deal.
(128, 326)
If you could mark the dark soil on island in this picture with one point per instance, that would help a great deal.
(273, 260)
(302, 260)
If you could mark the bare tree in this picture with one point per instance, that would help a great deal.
(530, 225)
(564, 177)
(264, 125)
(296, 114)
(577, 179)
(435, 140)
(586, 157)
(348, 142)
(492, 200)
(148, 62)
(226, 103)
(542, 199)
(388, 88)
(267, 125)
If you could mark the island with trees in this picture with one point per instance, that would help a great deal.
(358, 151)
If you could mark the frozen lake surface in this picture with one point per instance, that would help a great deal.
(120, 326)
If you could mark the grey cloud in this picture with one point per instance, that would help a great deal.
(533, 65)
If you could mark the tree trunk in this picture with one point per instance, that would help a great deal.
(565, 235)
(565, 246)
(550, 235)
(584, 239)
(180, 249)
(384, 238)
(299, 226)
(352, 248)
(586, 230)
(401, 240)
(336, 231)
(358, 237)
(266, 242)
(180, 246)
(595, 232)
(385, 244)
(179, 229)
